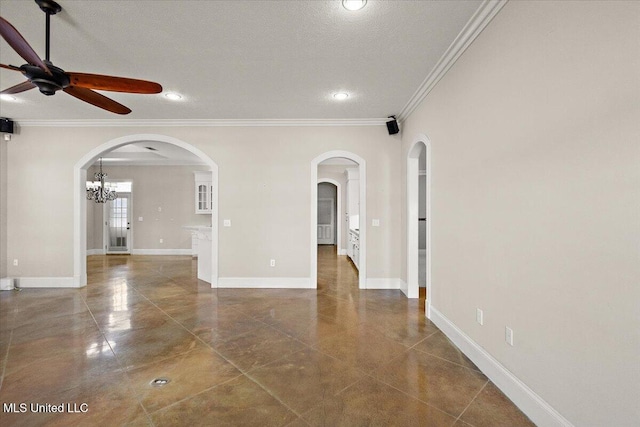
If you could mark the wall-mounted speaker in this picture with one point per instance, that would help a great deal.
(392, 126)
(6, 125)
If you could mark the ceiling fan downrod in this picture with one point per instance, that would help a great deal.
(49, 7)
(49, 79)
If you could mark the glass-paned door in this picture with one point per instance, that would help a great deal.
(326, 222)
(118, 214)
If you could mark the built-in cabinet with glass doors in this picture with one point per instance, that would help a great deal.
(204, 192)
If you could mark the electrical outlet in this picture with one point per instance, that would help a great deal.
(375, 223)
(227, 223)
(508, 335)
(272, 263)
(161, 240)
(15, 262)
(479, 316)
(140, 218)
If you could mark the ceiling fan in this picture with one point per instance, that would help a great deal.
(49, 79)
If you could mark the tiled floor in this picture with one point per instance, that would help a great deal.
(335, 356)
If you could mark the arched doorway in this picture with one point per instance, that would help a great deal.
(419, 219)
(80, 201)
(313, 276)
(338, 210)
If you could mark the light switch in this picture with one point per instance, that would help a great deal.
(227, 223)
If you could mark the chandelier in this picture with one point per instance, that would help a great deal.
(97, 190)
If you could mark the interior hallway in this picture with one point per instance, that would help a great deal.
(332, 356)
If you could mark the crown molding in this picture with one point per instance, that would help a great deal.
(202, 123)
(483, 16)
(480, 19)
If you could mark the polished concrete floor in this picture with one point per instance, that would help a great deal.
(335, 356)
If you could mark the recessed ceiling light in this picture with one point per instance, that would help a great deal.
(340, 96)
(353, 4)
(173, 96)
(7, 97)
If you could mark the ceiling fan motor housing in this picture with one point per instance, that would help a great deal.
(47, 84)
(49, 79)
(49, 6)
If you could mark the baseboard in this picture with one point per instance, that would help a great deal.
(45, 282)
(80, 281)
(536, 408)
(146, 252)
(265, 282)
(6, 283)
(384, 283)
(404, 287)
(162, 252)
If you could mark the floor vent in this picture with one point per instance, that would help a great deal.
(159, 382)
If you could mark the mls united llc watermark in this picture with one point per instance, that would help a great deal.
(67, 408)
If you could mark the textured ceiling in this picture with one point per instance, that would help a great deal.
(150, 153)
(238, 60)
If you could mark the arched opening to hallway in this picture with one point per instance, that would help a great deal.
(419, 221)
(349, 170)
(210, 247)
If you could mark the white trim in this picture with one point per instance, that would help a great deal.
(6, 284)
(342, 252)
(385, 283)
(45, 282)
(80, 224)
(536, 408)
(266, 282)
(204, 122)
(160, 252)
(313, 249)
(80, 201)
(95, 252)
(483, 16)
(339, 215)
(404, 288)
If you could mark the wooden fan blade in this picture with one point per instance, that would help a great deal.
(94, 98)
(20, 45)
(10, 67)
(113, 84)
(20, 87)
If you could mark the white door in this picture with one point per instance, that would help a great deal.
(118, 224)
(326, 222)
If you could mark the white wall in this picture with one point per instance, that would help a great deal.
(535, 202)
(264, 175)
(170, 188)
(3, 207)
